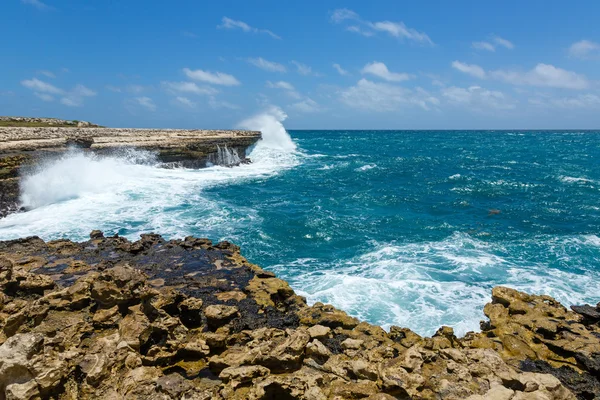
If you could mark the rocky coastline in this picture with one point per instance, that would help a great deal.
(189, 319)
(22, 147)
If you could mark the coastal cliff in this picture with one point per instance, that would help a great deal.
(189, 319)
(22, 147)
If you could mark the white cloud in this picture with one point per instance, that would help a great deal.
(41, 86)
(44, 96)
(395, 29)
(470, 69)
(145, 102)
(360, 31)
(503, 42)
(75, 97)
(342, 14)
(44, 91)
(37, 4)
(113, 88)
(307, 105)
(228, 23)
(380, 70)
(497, 41)
(483, 46)
(47, 74)
(189, 87)
(217, 104)
(477, 98)
(267, 65)
(303, 69)
(400, 30)
(216, 78)
(340, 70)
(288, 87)
(584, 49)
(184, 101)
(280, 85)
(381, 97)
(544, 75)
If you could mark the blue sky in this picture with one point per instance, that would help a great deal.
(328, 65)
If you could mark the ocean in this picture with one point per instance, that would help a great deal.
(408, 228)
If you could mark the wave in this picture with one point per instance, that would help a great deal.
(131, 194)
(426, 285)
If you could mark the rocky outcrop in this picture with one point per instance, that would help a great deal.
(39, 122)
(22, 147)
(189, 319)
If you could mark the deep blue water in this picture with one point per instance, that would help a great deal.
(395, 227)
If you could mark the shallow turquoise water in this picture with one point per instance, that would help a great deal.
(392, 226)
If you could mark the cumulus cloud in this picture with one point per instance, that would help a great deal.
(41, 86)
(503, 42)
(400, 30)
(380, 70)
(145, 102)
(267, 65)
(496, 41)
(477, 98)
(340, 70)
(47, 74)
(215, 78)
(342, 14)
(75, 97)
(470, 69)
(307, 105)
(44, 96)
(483, 46)
(360, 31)
(288, 87)
(46, 92)
(280, 85)
(188, 87)
(584, 49)
(185, 102)
(228, 23)
(543, 75)
(382, 97)
(368, 28)
(303, 69)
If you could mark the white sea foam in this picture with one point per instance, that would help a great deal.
(79, 192)
(366, 167)
(426, 285)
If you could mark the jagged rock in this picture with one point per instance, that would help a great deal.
(105, 329)
(318, 331)
(16, 362)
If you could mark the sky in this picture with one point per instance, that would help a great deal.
(327, 64)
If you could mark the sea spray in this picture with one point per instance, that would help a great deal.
(270, 124)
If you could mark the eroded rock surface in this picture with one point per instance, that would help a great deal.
(189, 319)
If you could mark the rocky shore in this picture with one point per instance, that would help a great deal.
(22, 147)
(189, 319)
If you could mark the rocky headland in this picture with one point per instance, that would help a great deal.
(35, 139)
(189, 319)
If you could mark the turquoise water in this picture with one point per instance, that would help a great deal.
(393, 227)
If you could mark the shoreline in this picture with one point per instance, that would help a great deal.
(21, 148)
(192, 318)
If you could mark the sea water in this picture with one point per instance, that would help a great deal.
(409, 228)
